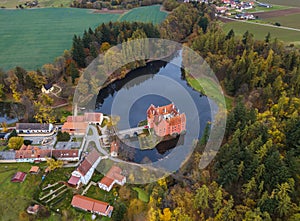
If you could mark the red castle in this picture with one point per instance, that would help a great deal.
(166, 120)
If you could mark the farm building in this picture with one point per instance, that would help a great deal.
(78, 124)
(113, 176)
(85, 170)
(19, 177)
(33, 128)
(92, 205)
(34, 170)
(32, 154)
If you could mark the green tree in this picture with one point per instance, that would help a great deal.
(201, 198)
(78, 54)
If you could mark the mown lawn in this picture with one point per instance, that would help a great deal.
(260, 31)
(31, 38)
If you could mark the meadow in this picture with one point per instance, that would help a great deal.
(16, 197)
(33, 37)
(295, 3)
(287, 20)
(42, 3)
(260, 32)
(145, 14)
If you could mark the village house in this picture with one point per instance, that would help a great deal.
(166, 120)
(85, 170)
(113, 176)
(34, 170)
(34, 154)
(114, 148)
(92, 205)
(47, 88)
(33, 128)
(77, 125)
(18, 177)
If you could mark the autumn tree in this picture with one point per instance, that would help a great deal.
(15, 143)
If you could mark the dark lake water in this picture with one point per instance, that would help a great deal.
(157, 83)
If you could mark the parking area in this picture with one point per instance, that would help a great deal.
(67, 145)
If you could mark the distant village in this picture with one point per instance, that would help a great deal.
(162, 121)
(239, 9)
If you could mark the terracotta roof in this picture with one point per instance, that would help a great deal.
(106, 181)
(32, 126)
(73, 180)
(74, 126)
(18, 177)
(167, 109)
(93, 117)
(174, 120)
(79, 118)
(90, 204)
(65, 153)
(34, 169)
(87, 117)
(113, 174)
(82, 202)
(32, 152)
(114, 146)
(93, 156)
(84, 167)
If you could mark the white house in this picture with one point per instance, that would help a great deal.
(33, 128)
(85, 170)
(47, 88)
(113, 176)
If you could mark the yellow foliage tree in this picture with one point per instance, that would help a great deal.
(167, 215)
(54, 164)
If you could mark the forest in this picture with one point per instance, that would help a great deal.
(255, 175)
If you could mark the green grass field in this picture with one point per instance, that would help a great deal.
(291, 21)
(274, 8)
(16, 197)
(145, 14)
(143, 196)
(260, 32)
(31, 38)
(295, 3)
(42, 3)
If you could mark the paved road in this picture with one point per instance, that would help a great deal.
(261, 24)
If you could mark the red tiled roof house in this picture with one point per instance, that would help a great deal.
(92, 205)
(113, 176)
(166, 120)
(78, 124)
(85, 170)
(18, 177)
(31, 154)
(114, 149)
